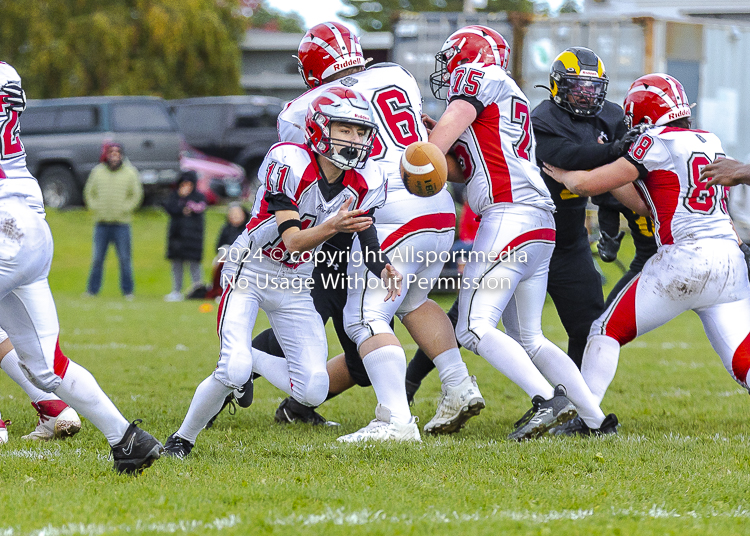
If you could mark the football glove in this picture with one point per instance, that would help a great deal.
(619, 147)
(608, 246)
(14, 96)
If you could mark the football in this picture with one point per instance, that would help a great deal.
(423, 169)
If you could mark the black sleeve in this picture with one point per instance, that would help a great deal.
(375, 259)
(172, 205)
(478, 106)
(642, 171)
(609, 220)
(279, 202)
(566, 154)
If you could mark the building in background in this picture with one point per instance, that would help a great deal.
(673, 9)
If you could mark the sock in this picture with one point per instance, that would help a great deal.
(10, 365)
(274, 369)
(207, 401)
(386, 368)
(81, 392)
(419, 367)
(559, 369)
(451, 368)
(507, 356)
(600, 364)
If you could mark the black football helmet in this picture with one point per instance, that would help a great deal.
(578, 82)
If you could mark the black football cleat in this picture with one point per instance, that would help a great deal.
(228, 401)
(176, 447)
(291, 411)
(543, 415)
(576, 427)
(244, 395)
(136, 450)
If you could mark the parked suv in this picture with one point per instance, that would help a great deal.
(63, 141)
(238, 128)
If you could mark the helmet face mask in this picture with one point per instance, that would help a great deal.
(578, 82)
(340, 127)
(467, 45)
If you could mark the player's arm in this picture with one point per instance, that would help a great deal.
(455, 173)
(458, 116)
(628, 196)
(726, 172)
(562, 152)
(378, 262)
(598, 180)
(297, 240)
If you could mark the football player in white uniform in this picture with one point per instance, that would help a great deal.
(487, 126)
(27, 309)
(56, 419)
(699, 264)
(305, 200)
(413, 231)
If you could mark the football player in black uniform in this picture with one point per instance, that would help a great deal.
(578, 129)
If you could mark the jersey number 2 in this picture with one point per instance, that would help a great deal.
(10, 141)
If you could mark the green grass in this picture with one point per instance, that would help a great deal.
(680, 465)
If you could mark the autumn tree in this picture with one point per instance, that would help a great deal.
(123, 47)
(379, 15)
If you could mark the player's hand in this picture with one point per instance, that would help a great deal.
(15, 97)
(608, 246)
(725, 171)
(622, 146)
(554, 172)
(392, 279)
(428, 122)
(350, 221)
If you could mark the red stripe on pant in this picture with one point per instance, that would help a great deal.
(621, 324)
(741, 360)
(440, 221)
(221, 306)
(60, 365)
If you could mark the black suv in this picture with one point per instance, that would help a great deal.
(238, 128)
(63, 141)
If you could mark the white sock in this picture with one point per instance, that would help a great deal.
(207, 401)
(600, 364)
(10, 365)
(80, 391)
(451, 368)
(559, 369)
(509, 357)
(386, 368)
(274, 369)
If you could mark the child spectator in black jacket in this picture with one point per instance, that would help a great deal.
(186, 207)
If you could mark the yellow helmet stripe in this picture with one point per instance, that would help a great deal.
(570, 61)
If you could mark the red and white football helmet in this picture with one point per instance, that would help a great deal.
(326, 49)
(656, 99)
(468, 45)
(343, 105)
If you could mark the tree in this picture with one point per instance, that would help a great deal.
(271, 19)
(569, 6)
(123, 47)
(380, 15)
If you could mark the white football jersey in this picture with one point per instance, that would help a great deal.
(397, 107)
(497, 152)
(15, 178)
(681, 206)
(291, 169)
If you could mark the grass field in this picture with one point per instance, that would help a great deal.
(680, 464)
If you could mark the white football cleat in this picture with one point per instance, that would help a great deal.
(382, 429)
(57, 420)
(457, 405)
(3, 432)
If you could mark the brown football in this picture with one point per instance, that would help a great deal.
(423, 169)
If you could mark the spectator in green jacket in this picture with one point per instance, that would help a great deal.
(113, 192)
